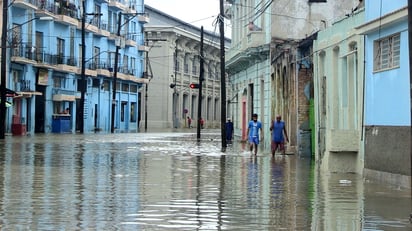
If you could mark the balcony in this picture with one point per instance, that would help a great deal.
(143, 18)
(25, 4)
(131, 40)
(102, 1)
(44, 60)
(25, 88)
(252, 46)
(66, 64)
(91, 69)
(67, 20)
(143, 48)
(23, 54)
(97, 27)
(104, 69)
(118, 4)
(45, 9)
(132, 8)
(252, 40)
(63, 95)
(68, 15)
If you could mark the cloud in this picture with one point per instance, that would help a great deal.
(196, 12)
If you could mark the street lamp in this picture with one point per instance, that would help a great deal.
(116, 62)
(45, 18)
(175, 100)
(3, 66)
(83, 85)
(3, 70)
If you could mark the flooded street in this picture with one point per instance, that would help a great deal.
(169, 181)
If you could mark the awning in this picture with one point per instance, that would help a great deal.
(10, 93)
(28, 94)
(62, 97)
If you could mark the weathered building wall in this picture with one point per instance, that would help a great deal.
(387, 105)
(388, 151)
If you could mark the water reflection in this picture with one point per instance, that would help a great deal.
(169, 181)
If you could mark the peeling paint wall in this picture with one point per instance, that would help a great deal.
(386, 149)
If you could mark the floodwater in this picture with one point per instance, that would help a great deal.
(169, 181)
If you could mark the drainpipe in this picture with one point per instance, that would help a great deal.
(410, 71)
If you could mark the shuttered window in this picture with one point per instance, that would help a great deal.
(386, 53)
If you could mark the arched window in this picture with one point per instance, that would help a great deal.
(186, 64)
(195, 65)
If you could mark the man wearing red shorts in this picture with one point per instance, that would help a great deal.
(278, 135)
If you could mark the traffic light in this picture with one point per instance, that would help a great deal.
(172, 85)
(194, 85)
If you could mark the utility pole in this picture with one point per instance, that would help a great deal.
(116, 63)
(222, 77)
(83, 84)
(201, 77)
(147, 87)
(3, 67)
(175, 101)
(410, 69)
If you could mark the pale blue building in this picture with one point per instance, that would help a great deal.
(387, 106)
(45, 67)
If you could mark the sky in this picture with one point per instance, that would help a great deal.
(196, 12)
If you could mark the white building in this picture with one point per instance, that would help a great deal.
(269, 63)
(174, 60)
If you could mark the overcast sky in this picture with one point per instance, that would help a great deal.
(196, 12)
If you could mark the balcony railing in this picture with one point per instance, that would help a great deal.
(23, 51)
(49, 6)
(39, 56)
(99, 24)
(103, 65)
(70, 10)
(23, 85)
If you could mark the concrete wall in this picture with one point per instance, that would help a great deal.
(387, 150)
(338, 84)
(387, 97)
(299, 18)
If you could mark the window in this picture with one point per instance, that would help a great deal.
(386, 53)
(186, 64)
(123, 110)
(133, 111)
(96, 18)
(58, 82)
(125, 64)
(125, 87)
(176, 61)
(132, 66)
(60, 50)
(96, 58)
(194, 65)
(110, 60)
(72, 44)
(80, 52)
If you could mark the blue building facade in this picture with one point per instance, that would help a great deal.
(387, 105)
(45, 65)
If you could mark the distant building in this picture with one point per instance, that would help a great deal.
(338, 64)
(387, 100)
(45, 65)
(173, 65)
(270, 63)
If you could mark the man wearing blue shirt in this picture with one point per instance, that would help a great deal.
(253, 132)
(278, 135)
